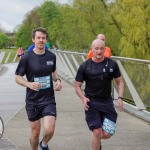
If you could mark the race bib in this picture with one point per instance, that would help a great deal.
(44, 81)
(109, 126)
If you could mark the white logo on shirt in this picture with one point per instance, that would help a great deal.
(111, 70)
(104, 70)
(49, 62)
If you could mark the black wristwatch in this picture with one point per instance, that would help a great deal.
(120, 97)
(58, 79)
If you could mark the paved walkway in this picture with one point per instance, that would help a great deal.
(71, 131)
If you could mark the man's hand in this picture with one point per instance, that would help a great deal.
(85, 105)
(120, 104)
(34, 85)
(57, 86)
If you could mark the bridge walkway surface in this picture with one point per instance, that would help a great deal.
(71, 131)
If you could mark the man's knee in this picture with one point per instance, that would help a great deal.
(35, 130)
(49, 132)
(106, 135)
(97, 132)
(35, 133)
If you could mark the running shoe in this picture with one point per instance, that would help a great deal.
(43, 148)
(100, 147)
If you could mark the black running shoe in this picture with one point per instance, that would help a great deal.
(43, 148)
(100, 147)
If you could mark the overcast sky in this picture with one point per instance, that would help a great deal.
(12, 12)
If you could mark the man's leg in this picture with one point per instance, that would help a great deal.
(97, 135)
(49, 127)
(105, 135)
(35, 132)
(96, 138)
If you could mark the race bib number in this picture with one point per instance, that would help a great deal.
(109, 126)
(44, 81)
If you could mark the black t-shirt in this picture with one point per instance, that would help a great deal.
(98, 77)
(38, 68)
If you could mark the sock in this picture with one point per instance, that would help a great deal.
(43, 145)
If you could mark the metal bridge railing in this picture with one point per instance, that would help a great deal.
(135, 73)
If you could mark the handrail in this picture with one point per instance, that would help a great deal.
(115, 57)
(131, 59)
(135, 72)
(73, 59)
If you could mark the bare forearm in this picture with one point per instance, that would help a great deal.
(120, 89)
(79, 90)
(57, 85)
(80, 93)
(120, 86)
(55, 76)
(21, 81)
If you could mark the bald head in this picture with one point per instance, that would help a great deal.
(98, 42)
(101, 37)
(98, 48)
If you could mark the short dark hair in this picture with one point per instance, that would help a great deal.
(40, 29)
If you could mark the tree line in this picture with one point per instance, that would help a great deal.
(73, 26)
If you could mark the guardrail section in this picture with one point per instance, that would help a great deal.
(135, 73)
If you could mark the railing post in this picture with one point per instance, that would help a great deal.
(131, 88)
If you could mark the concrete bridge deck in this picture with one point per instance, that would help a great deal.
(71, 131)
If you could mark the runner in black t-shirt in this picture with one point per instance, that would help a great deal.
(98, 73)
(39, 66)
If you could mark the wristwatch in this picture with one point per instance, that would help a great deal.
(120, 97)
(58, 79)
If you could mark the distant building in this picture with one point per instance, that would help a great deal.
(10, 34)
(11, 39)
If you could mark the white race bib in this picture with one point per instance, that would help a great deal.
(44, 81)
(109, 126)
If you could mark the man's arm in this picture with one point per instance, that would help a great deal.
(81, 95)
(120, 87)
(21, 81)
(32, 85)
(57, 86)
(55, 76)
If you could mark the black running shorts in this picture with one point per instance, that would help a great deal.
(36, 111)
(97, 112)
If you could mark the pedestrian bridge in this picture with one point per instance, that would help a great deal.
(133, 127)
(135, 72)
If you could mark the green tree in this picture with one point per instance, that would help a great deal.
(133, 18)
(70, 36)
(3, 40)
(50, 19)
(125, 24)
(23, 34)
(81, 23)
(86, 19)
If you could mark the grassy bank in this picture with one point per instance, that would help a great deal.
(12, 53)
